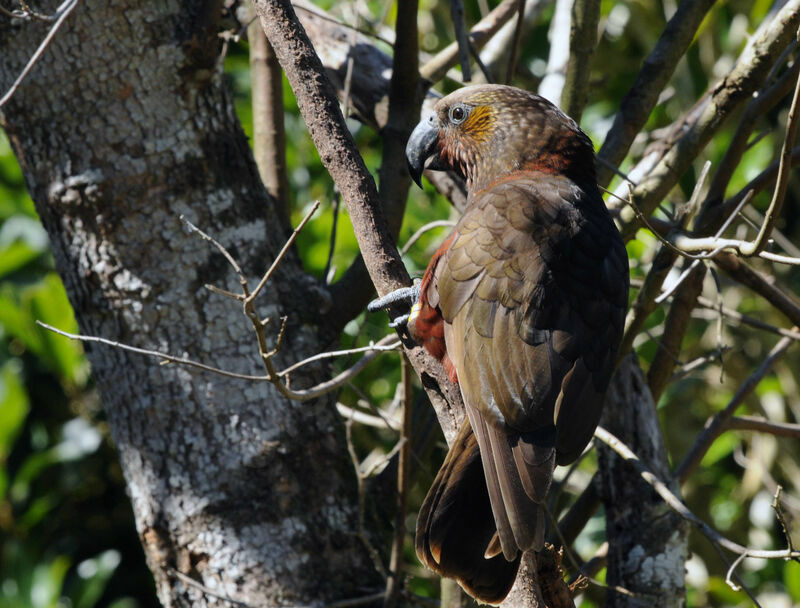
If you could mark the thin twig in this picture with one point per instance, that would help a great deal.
(487, 74)
(206, 237)
(435, 69)
(152, 353)
(680, 248)
(313, 10)
(735, 315)
(362, 497)
(699, 363)
(385, 344)
(356, 601)
(282, 252)
(63, 11)
(779, 194)
(427, 227)
(766, 287)
(337, 199)
(761, 425)
(776, 506)
(393, 582)
(675, 503)
(379, 422)
(27, 13)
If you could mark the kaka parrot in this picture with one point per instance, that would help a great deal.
(524, 304)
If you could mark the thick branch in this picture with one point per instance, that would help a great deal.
(705, 119)
(269, 135)
(320, 110)
(582, 43)
(741, 272)
(351, 292)
(435, 69)
(369, 88)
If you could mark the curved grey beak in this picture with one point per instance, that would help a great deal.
(422, 149)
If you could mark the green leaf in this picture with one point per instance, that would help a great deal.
(16, 256)
(95, 573)
(14, 407)
(791, 578)
(47, 301)
(48, 580)
(722, 447)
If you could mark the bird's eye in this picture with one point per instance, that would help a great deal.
(457, 114)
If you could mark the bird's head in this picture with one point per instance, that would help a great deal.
(486, 132)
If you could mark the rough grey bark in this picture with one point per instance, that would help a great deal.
(122, 127)
(647, 541)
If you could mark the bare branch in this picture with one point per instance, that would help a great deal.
(582, 44)
(761, 425)
(656, 71)
(779, 193)
(362, 497)
(368, 419)
(716, 424)
(766, 287)
(426, 228)
(512, 59)
(739, 144)
(394, 584)
(385, 344)
(165, 357)
(735, 315)
(708, 115)
(496, 52)
(435, 69)
(269, 135)
(680, 508)
(281, 254)
(553, 82)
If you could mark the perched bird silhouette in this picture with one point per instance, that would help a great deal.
(524, 304)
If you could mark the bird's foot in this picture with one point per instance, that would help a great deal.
(403, 299)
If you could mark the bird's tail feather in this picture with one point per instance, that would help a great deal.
(456, 529)
(518, 470)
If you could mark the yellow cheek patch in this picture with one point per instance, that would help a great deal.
(478, 124)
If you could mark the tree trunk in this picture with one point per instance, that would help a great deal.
(122, 127)
(647, 541)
